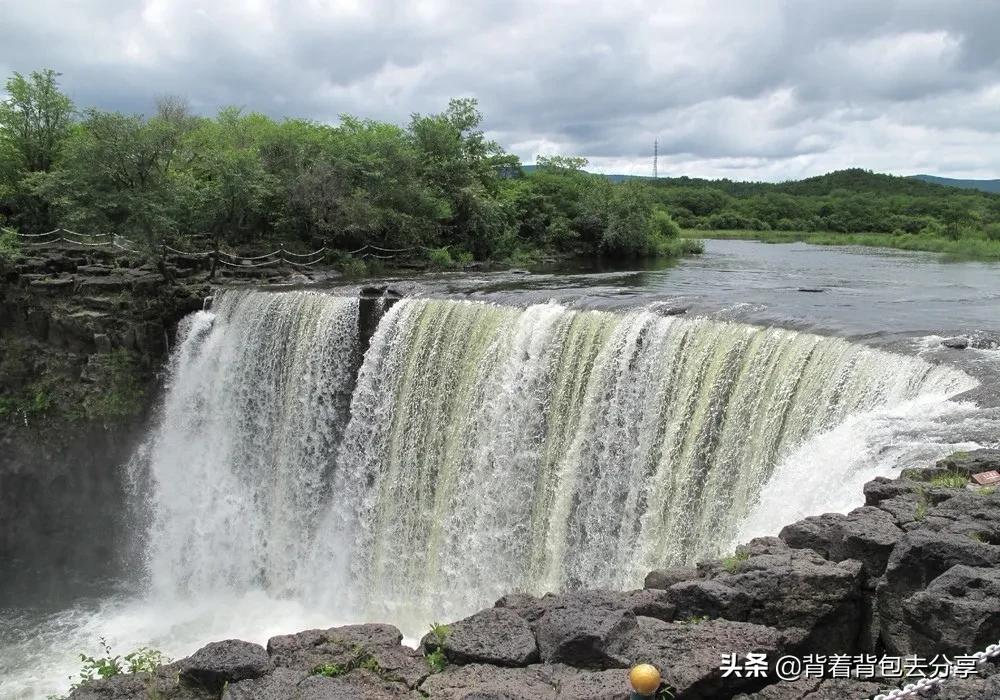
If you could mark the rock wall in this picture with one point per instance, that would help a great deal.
(83, 334)
(916, 570)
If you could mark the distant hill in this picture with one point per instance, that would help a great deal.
(852, 180)
(982, 185)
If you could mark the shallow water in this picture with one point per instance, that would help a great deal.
(903, 302)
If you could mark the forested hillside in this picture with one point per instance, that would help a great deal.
(847, 201)
(243, 179)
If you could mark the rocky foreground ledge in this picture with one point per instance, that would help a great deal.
(916, 570)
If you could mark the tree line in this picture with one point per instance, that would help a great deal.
(242, 179)
(846, 201)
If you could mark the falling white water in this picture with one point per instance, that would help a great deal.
(480, 449)
(493, 448)
(242, 462)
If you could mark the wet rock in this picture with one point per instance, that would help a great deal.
(797, 588)
(689, 654)
(356, 684)
(308, 649)
(351, 646)
(577, 629)
(111, 284)
(651, 602)
(482, 681)
(920, 557)
(279, 685)
(497, 636)
(958, 612)
(959, 342)
(703, 598)
(577, 684)
(229, 661)
(866, 534)
(102, 343)
(971, 462)
(52, 285)
(665, 578)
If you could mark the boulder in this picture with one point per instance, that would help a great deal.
(482, 681)
(311, 648)
(141, 686)
(665, 578)
(218, 663)
(279, 685)
(648, 602)
(497, 636)
(866, 534)
(690, 654)
(575, 628)
(971, 462)
(796, 588)
(921, 557)
(957, 613)
(958, 342)
(352, 646)
(356, 684)
(705, 598)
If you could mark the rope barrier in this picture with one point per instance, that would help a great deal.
(33, 235)
(281, 255)
(246, 257)
(306, 255)
(263, 264)
(189, 254)
(914, 689)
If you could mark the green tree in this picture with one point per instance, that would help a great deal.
(35, 120)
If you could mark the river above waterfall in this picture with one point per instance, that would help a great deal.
(518, 431)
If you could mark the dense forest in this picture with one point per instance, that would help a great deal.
(848, 201)
(243, 180)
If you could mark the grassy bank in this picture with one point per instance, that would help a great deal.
(961, 248)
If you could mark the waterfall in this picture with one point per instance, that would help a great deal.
(481, 449)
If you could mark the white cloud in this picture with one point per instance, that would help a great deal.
(763, 90)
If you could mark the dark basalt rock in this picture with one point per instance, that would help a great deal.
(690, 653)
(915, 571)
(219, 663)
(866, 534)
(920, 558)
(959, 342)
(957, 612)
(280, 685)
(574, 630)
(497, 636)
(665, 578)
(795, 588)
(971, 462)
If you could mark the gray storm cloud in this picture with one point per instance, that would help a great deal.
(765, 90)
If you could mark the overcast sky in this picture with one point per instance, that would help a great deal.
(746, 89)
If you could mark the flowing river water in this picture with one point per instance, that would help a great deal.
(529, 432)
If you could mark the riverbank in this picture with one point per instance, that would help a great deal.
(912, 572)
(960, 249)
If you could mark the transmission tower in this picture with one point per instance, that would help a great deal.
(656, 153)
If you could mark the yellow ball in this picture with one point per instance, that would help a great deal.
(645, 679)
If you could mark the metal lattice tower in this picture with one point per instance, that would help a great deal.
(656, 153)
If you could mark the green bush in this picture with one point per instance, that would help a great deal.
(142, 660)
(440, 258)
(353, 267)
(10, 246)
